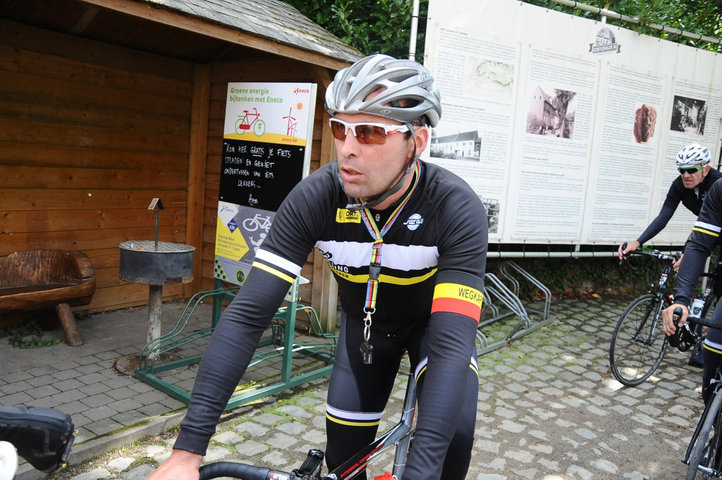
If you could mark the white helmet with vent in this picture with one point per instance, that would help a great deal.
(407, 90)
(692, 155)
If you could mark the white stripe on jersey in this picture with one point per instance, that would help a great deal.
(278, 261)
(358, 255)
(349, 415)
(708, 226)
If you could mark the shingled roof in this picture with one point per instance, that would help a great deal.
(272, 19)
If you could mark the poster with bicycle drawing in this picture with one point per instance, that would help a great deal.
(267, 135)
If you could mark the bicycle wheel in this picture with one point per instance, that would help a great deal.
(704, 460)
(638, 342)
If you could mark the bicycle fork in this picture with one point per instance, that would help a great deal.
(657, 308)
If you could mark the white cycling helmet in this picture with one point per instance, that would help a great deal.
(693, 154)
(408, 92)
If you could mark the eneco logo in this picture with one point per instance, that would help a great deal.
(297, 91)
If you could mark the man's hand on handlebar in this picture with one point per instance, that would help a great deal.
(677, 263)
(181, 465)
(668, 318)
(627, 247)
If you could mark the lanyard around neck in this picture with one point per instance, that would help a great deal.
(378, 234)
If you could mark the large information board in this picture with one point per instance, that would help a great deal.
(266, 151)
(566, 127)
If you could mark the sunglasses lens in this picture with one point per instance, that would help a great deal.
(339, 130)
(370, 134)
(365, 134)
(689, 171)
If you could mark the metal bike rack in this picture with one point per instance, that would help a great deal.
(153, 363)
(503, 302)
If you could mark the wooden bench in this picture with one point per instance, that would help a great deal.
(46, 279)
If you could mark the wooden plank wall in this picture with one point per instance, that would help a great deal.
(274, 69)
(89, 134)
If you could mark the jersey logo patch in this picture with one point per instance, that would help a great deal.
(344, 215)
(414, 221)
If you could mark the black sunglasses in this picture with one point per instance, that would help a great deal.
(690, 170)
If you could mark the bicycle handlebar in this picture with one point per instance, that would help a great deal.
(654, 253)
(239, 470)
(310, 469)
(705, 322)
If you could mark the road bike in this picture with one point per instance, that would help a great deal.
(704, 452)
(638, 342)
(250, 121)
(399, 436)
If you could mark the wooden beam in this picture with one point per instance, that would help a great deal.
(200, 108)
(324, 293)
(157, 13)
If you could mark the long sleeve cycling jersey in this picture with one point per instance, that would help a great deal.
(705, 235)
(432, 265)
(690, 198)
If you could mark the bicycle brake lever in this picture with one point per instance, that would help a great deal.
(624, 256)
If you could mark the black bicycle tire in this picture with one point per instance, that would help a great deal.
(613, 347)
(241, 471)
(701, 442)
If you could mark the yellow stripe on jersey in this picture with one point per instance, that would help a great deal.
(273, 271)
(384, 278)
(352, 423)
(706, 228)
(705, 231)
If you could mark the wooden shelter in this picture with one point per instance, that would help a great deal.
(107, 104)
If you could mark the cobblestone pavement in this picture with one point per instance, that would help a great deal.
(548, 408)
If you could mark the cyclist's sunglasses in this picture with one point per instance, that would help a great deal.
(690, 170)
(366, 133)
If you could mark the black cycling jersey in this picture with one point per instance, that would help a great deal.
(690, 198)
(705, 235)
(432, 265)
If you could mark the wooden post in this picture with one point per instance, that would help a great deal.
(324, 290)
(67, 322)
(197, 171)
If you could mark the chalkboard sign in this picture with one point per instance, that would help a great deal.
(267, 136)
(257, 174)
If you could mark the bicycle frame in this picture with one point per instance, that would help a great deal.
(400, 436)
(717, 382)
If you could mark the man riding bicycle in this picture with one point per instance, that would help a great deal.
(407, 243)
(705, 235)
(695, 179)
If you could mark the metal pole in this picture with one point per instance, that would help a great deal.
(540, 254)
(414, 29)
(636, 21)
(155, 303)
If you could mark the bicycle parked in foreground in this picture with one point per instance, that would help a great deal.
(704, 452)
(638, 343)
(400, 436)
